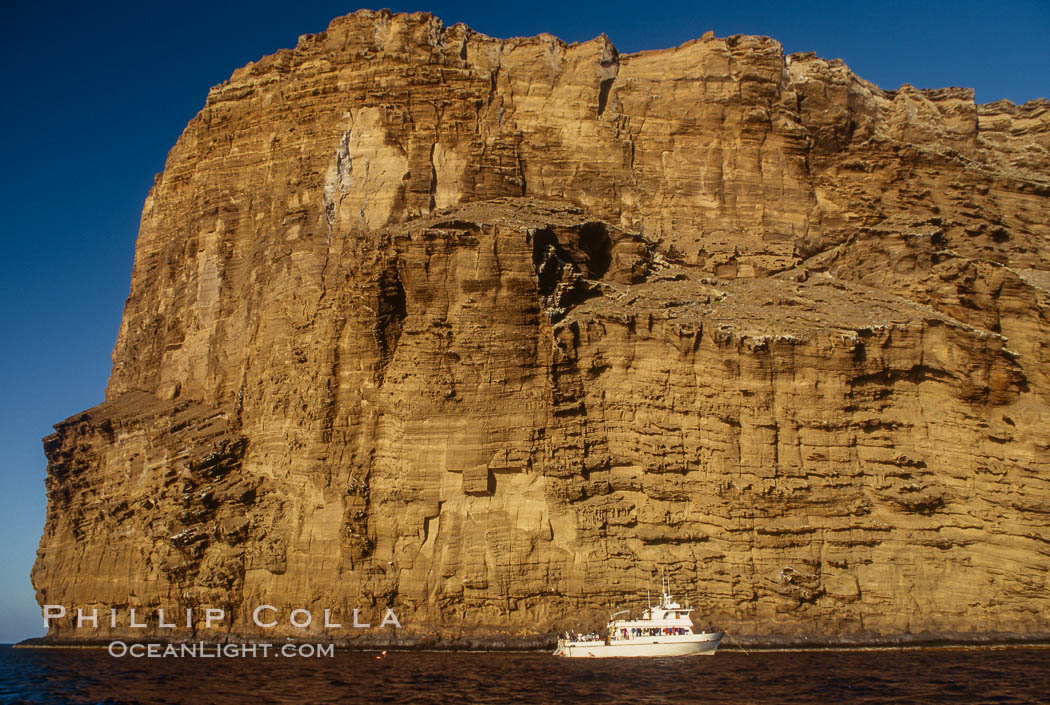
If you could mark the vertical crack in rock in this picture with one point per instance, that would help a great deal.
(433, 176)
(521, 171)
(339, 180)
(390, 316)
(608, 69)
(603, 94)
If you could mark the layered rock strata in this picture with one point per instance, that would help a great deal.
(491, 332)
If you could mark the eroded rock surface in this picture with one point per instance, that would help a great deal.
(492, 331)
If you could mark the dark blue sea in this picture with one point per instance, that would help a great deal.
(926, 677)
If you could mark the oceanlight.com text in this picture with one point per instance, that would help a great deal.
(120, 649)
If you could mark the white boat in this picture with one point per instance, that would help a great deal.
(664, 630)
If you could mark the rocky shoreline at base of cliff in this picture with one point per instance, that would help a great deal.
(546, 642)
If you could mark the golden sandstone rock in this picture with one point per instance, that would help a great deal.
(492, 331)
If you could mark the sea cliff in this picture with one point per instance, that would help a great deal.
(490, 332)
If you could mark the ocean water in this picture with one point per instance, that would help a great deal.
(926, 677)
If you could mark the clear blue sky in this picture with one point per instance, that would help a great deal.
(96, 94)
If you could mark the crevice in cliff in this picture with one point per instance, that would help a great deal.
(597, 246)
(494, 82)
(885, 379)
(561, 284)
(390, 316)
(356, 524)
(331, 398)
(433, 179)
(339, 181)
(603, 94)
(521, 172)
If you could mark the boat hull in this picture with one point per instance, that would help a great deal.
(688, 645)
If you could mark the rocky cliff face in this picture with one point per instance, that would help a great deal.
(492, 331)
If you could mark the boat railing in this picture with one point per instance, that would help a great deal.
(584, 637)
